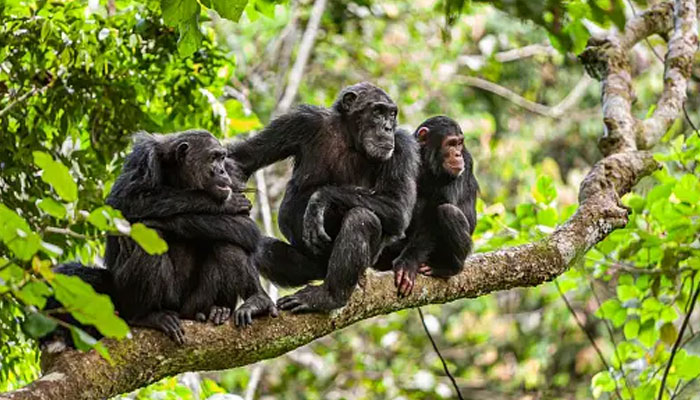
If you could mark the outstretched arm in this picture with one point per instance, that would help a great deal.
(278, 140)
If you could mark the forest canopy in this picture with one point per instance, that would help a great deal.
(581, 116)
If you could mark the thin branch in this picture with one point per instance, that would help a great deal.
(307, 42)
(608, 327)
(588, 334)
(65, 231)
(555, 112)
(676, 344)
(22, 98)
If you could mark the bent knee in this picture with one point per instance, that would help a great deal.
(360, 217)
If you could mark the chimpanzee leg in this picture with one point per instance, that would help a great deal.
(149, 303)
(240, 278)
(454, 242)
(354, 249)
(284, 265)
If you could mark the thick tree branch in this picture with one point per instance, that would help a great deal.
(606, 59)
(150, 356)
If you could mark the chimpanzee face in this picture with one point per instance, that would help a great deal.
(202, 162)
(372, 116)
(378, 129)
(452, 158)
(442, 147)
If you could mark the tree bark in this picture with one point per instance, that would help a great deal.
(149, 356)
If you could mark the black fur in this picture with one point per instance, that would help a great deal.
(181, 185)
(352, 191)
(438, 239)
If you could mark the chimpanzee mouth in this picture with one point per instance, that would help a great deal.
(223, 188)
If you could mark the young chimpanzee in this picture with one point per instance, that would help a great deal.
(181, 185)
(352, 190)
(438, 239)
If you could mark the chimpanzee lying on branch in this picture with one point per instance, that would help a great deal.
(183, 186)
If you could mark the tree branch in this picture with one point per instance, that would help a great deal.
(150, 356)
(556, 111)
(307, 42)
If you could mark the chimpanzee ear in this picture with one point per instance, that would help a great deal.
(348, 100)
(422, 134)
(181, 151)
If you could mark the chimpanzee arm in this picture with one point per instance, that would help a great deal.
(278, 140)
(392, 199)
(234, 229)
(171, 202)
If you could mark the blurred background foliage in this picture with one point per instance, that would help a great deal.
(77, 78)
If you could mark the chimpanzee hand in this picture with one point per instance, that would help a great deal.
(259, 304)
(315, 236)
(404, 276)
(236, 204)
(309, 299)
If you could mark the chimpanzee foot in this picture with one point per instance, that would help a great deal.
(256, 305)
(218, 315)
(425, 269)
(309, 299)
(167, 322)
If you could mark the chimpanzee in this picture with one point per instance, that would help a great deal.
(181, 185)
(352, 191)
(438, 240)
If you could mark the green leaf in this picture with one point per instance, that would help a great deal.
(687, 189)
(52, 207)
(37, 325)
(82, 340)
(668, 333)
(190, 36)
(688, 366)
(602, 382)
(34, 293)
(57, 175)
(544, 190)
(628, 292)
(16, 234)
(176, 12)
(631, 329)
(230, 9)
(87, 306)
(547, 217)
(148, 239)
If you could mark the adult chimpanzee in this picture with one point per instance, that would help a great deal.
(438, 240)
(181, 185)
(352, 190)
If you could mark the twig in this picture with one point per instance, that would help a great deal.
(520, 53)
(676, 344)
(65, 231)
(588, 335)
